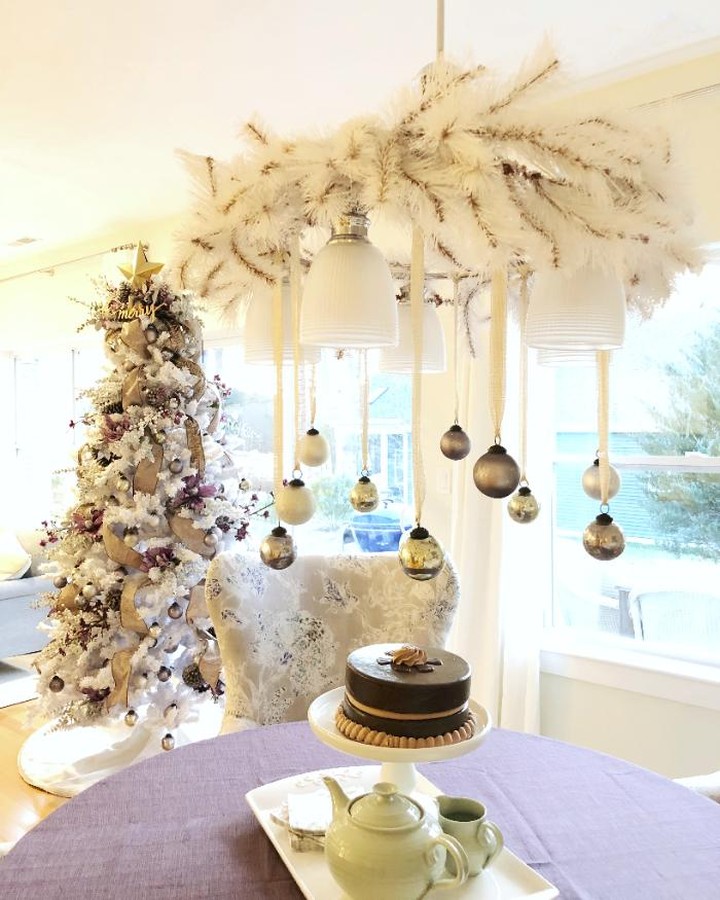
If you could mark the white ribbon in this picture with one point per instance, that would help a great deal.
(602, 358)
(498, 332)
(417, 284)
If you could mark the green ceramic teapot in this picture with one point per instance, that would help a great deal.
(383, 845)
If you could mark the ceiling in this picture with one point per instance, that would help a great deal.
(95, 97)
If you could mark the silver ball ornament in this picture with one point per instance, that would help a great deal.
(313, 449)
(176, 466)
(164, 674)
(603, 539)
(591, 481)
(278, 549)
(211, 539)
(421, 556)
(496, 474)
(56, 684)
(89, 591)
(455, 444)
(170, 712)
(364, 496)
(122, 484)
(168, 742)
(523, 507)
(60, 581)
(175, 610)
(295, 503)
(131, 718)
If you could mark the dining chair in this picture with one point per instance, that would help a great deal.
(284, 636)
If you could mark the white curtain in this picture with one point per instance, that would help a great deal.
(503, 566)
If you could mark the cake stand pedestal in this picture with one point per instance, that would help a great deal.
(398, 763)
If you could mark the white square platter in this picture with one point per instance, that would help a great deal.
(508, 878)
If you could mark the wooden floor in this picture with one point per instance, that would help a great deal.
(21, 806)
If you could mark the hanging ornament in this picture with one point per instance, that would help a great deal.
(295, 504)
(421, 556)
(131, 718)
(455, 444)
(603, 539)
(278, 549)
(591, 481)
(60, 581)
(155, 630)
(168, 742)
(122, 484)
(175, 610)
(364, 495)
(313, 449)
(192, 676)
(170, 712)
(211, 539)
(496, 474)
(164, 674)
(56, 684)
(176, 466)
(523, 507)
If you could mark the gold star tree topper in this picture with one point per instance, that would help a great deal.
(141, 270)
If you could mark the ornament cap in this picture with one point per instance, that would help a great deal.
(419, 533)
(603, 519)
(455, 428)
(524, 491)
(364, 479)
(296, 483)
(596, 461)
(312, 432)
(496, 449)
(279, 531)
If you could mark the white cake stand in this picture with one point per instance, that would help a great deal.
(398, 764)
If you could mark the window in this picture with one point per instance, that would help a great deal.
(249, 419)
(663, 594)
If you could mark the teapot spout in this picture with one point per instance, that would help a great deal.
(339, 798)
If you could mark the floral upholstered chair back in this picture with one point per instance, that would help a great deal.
(284, 636)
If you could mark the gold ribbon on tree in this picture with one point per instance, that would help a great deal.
(118, 551)
(132, 388)
(120, 668)
(132, 334)
(67, 597)
(192, 537)
(130, 618)
(194, 369)
(195, 445)
(147, 471)
(197, 607)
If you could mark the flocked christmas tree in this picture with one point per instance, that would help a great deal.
(157, 497)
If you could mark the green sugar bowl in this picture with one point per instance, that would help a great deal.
(383, 845)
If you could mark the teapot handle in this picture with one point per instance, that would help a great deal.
(459, 857)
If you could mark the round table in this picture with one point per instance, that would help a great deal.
(177, 825)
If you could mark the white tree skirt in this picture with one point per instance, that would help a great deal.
(65, 762)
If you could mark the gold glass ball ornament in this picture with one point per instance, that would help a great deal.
(496, 474)
(313, 449)
(131, 718)
(56, 684)
(522, 506)
(295, 503)
(591, 481)
(60, 581)
(278, 549)
(175, 610)
(603, 539)
(364, 496)
(421, 556)
(122, 484)
(168, 742)
(455, 444)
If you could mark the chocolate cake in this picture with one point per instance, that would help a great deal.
(400, 696)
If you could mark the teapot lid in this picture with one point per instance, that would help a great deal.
(385, 807)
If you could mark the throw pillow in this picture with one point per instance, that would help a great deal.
(14, 559)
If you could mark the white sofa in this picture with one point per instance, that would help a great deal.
(21, 583)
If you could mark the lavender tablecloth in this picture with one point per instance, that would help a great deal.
(177, 826)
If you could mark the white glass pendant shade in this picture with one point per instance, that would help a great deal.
(349, 296)
(581, 310)
(557, 358)
(258, 331)
(400, 359)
